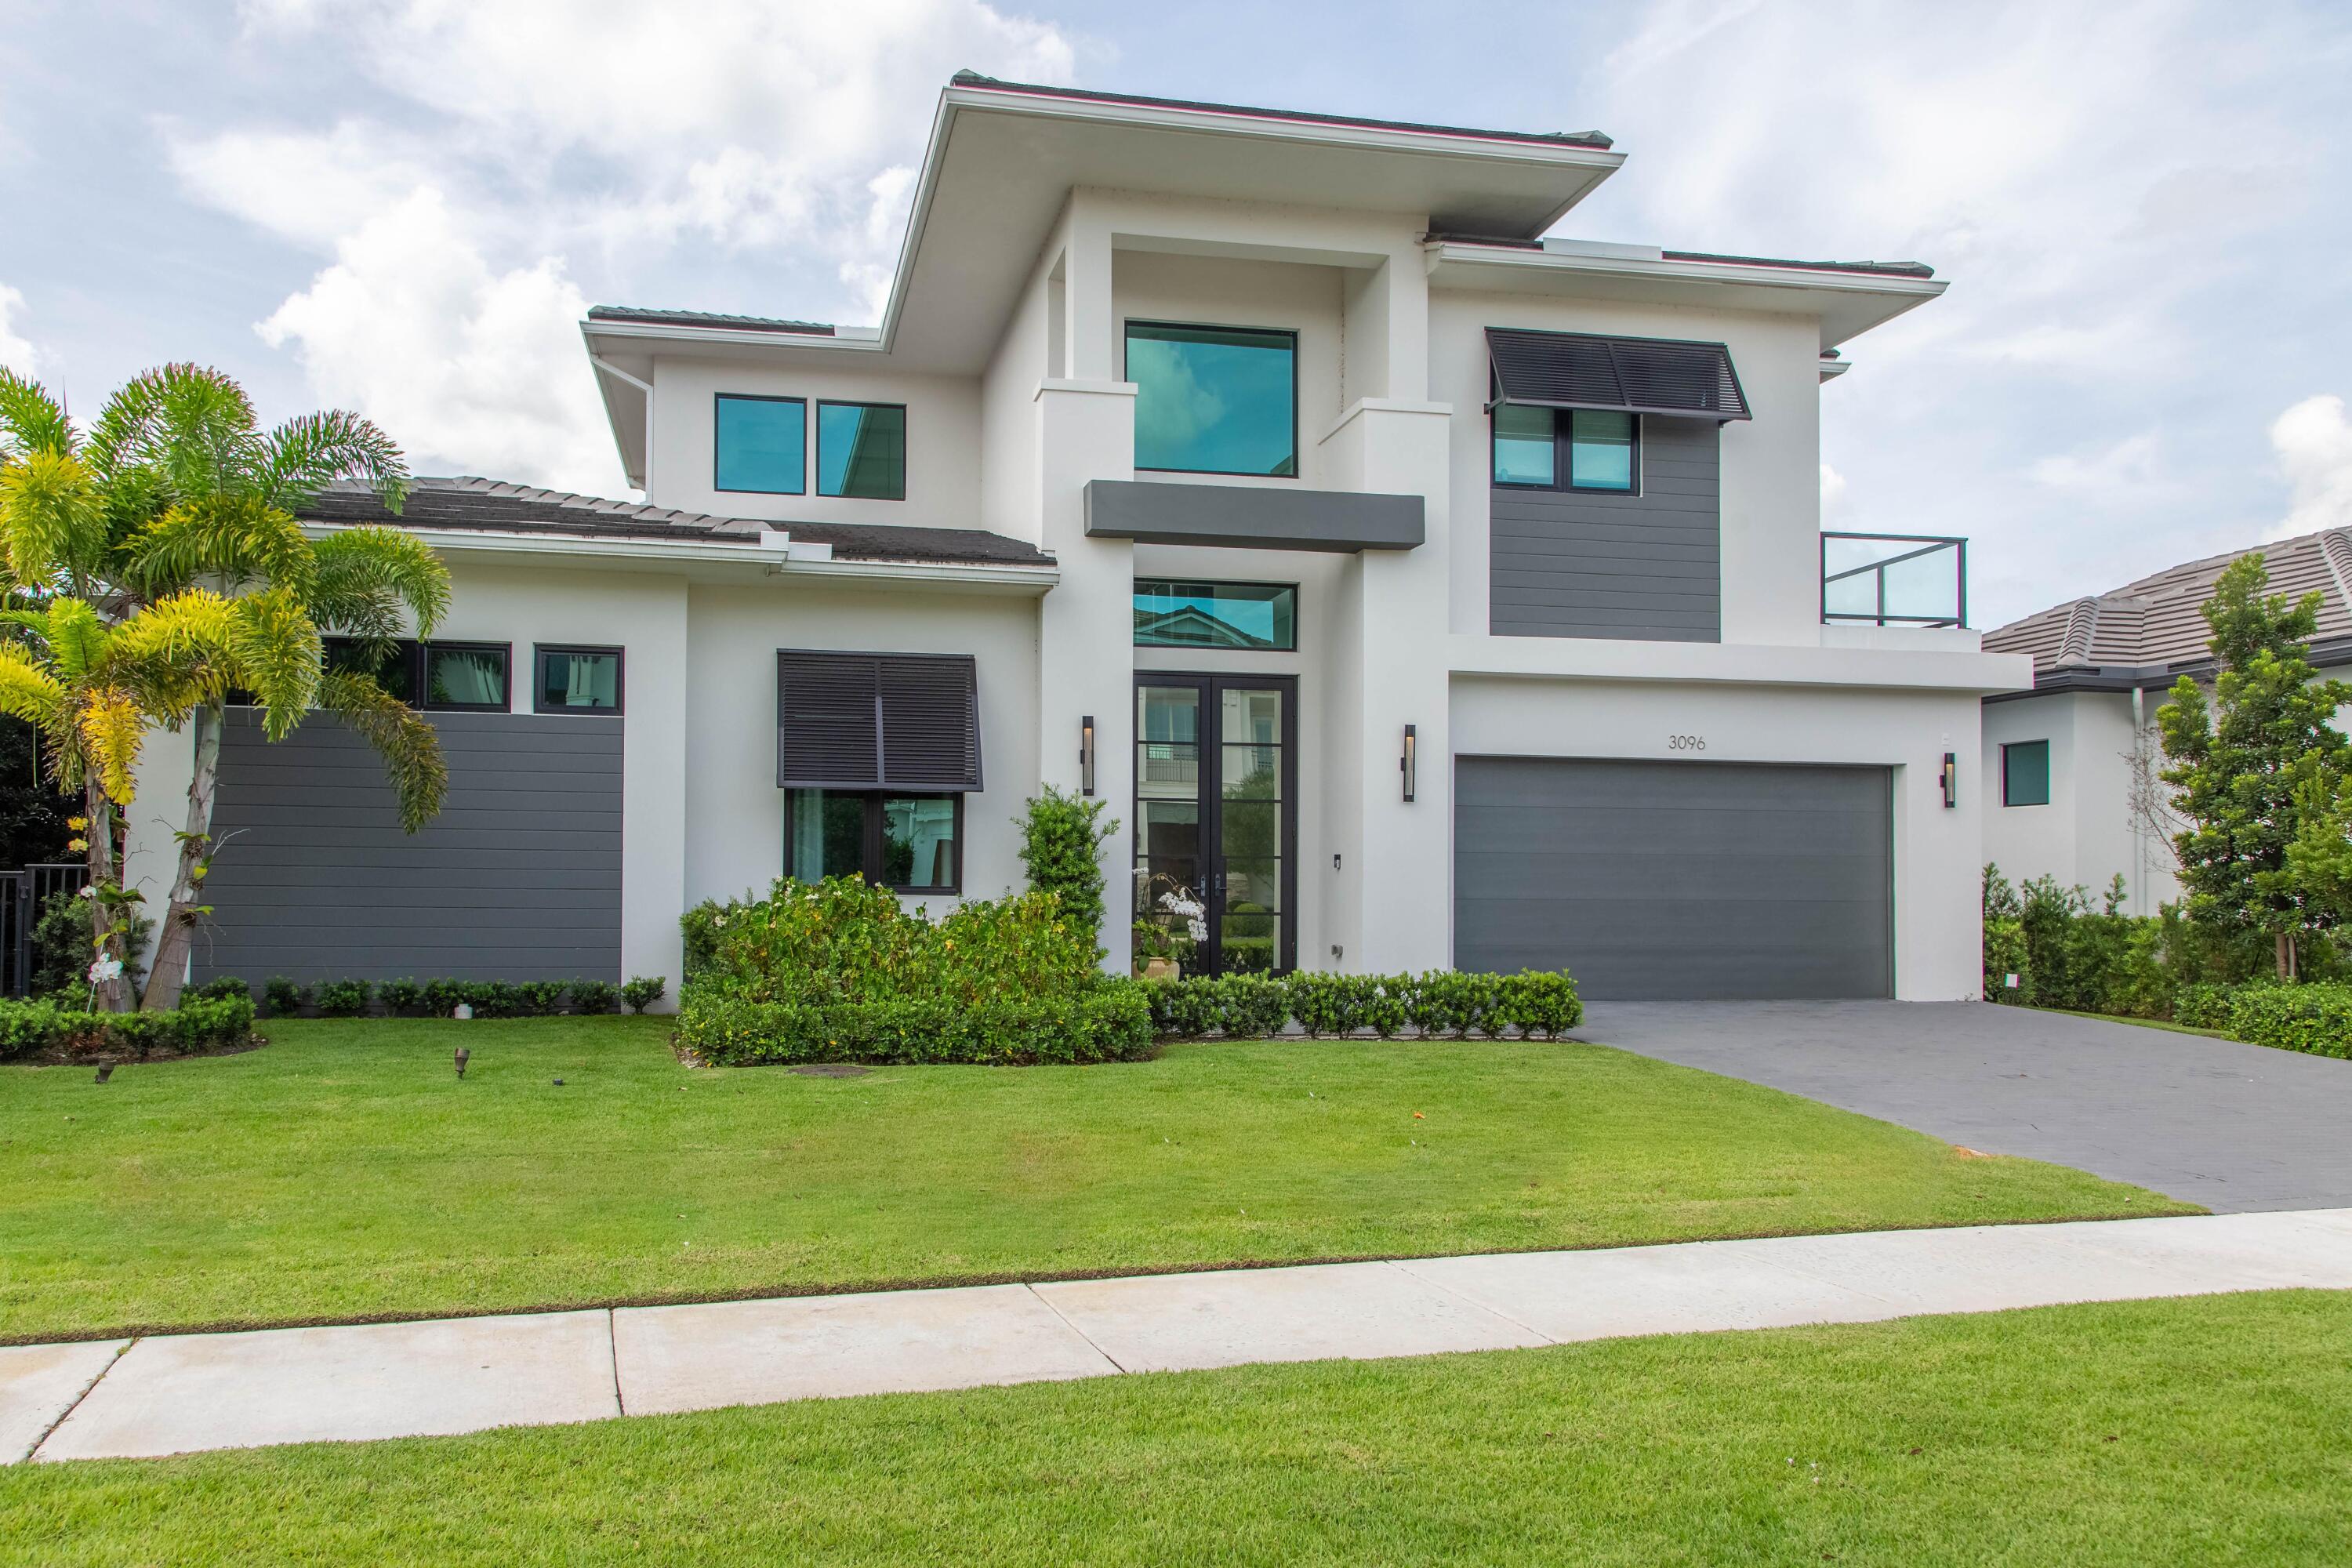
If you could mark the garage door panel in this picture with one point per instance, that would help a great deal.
(1649, 880)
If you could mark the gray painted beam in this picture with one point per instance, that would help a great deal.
(1252, 516)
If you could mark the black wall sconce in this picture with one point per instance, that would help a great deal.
(1951, 780)
(1407, 764)
(1087, 755)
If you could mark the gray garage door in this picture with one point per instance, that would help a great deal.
(1676, 880)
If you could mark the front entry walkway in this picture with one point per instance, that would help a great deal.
(2232, 1128)
(177, 1393)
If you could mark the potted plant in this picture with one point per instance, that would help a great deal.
(1155, 951)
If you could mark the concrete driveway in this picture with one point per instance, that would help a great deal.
(2234, 1127)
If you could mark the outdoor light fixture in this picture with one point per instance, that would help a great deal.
(1405, 763)
(1951, 781)
(1087, 755)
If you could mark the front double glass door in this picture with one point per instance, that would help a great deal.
(1216, 822)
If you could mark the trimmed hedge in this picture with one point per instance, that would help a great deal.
(2315, 1019)
(1111, 1022)
(1438, 1005)
(198, 1024)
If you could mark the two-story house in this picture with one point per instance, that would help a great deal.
(1417, 591)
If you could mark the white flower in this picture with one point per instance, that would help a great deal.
(104, 969)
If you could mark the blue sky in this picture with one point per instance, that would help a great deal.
(402, 205)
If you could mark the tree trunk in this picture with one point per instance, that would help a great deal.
(2286, 970)
(175, 939)
(107, 996)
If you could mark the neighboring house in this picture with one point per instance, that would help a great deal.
(2071, 764)
(1422, 591)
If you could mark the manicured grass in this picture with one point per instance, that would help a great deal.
(345, 1171)
(2167, 1024)
(2201, 1431)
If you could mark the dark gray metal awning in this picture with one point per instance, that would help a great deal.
(1637, 375)
(878, 720)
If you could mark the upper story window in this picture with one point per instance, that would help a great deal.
(761, 445)
(1214, 400)
(1262, 616)
(2025, 773)
(576, 680)
(861, 450)
(454, 676)
(1567, 448)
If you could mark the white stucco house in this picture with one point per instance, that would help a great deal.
(2065, 760)
(1417, 590)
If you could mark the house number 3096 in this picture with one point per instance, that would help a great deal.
(1687, 742)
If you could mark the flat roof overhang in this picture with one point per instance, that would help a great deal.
(1251, 517)
(1847, 301)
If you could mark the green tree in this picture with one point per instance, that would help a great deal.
(1061, 837)
(158, 567)
(2254, 766)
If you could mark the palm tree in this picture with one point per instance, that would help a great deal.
(176, 517)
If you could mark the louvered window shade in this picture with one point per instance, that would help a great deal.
(878, 720)
(1639, 375)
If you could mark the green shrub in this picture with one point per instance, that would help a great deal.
(400, 998)
(2316, 1019)
(594, 995)
(644, 992)
(1437, 1004)
(2203, 1005)
(494, 998)
(1061, 847)
(1111, 1021)
(62, 949)
(214, 990)
(343, 998)
(200, 1023)
(539, 998)
(284, 997)
(442, 996)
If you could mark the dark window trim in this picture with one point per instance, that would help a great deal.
(818, 449)
(2046, 780)
(870, 844)
(538, 680)
(1297, 459)
(505, 650)
(1296, 593)
(1564, 462)
(807, 447)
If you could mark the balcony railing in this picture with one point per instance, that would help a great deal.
(1895, 579)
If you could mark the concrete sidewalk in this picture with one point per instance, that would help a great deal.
(177, 1392)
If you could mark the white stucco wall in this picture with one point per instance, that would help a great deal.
(2085, 837)
(1937, 924)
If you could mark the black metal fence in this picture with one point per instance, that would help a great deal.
(22, 893)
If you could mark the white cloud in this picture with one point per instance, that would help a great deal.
(468, 367)
(1832, 490)
(2119, 473)
(309, 186)
(2313, 444)
(16, 352)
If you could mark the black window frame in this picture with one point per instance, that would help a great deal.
(816, 452)
(1136, 587)
(1564, 456)
(424, 688)
(870, 843)
(539, 652)
(808, 444)
(2048, 779)
(1298, 459)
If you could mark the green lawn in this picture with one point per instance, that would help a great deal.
(2175, 1432)
(344, 1171)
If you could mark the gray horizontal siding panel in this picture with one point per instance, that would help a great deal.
(519, 877)
(1255, 516)
(1676, 880)
(1648, 567)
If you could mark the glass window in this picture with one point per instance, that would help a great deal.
(762, 445)
(1260, 615)
(1214, 400)
(2025, 773)
(466, 675)
(1600, 450)
(825, 833)
(578, 680)
(393, 666)
(861, 450)
(906, 842)
(919, 843)
(1524, 450)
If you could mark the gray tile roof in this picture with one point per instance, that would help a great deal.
(2154, 624)
(494, 505)
(1592, 139)
(661, 318)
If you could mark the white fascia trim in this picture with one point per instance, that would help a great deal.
(1801, 278)
(662, 332)
(694, 552)
(1740, 664)
(1833, 368)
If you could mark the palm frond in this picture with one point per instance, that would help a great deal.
(276, 647)
(79, 640)
(52, 519)
(367, 576)
(30, 420)
(26, 690)
(409, 746)
(305, 455)
(111, 728)
(190, 426)
(240, 538)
